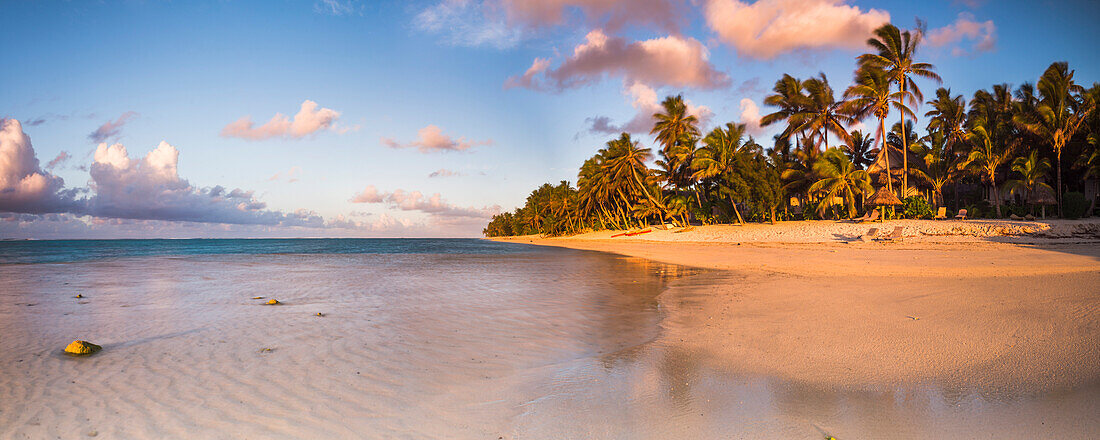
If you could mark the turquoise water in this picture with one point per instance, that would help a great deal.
(66, 251)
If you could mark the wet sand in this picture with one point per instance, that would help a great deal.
(974, 327)
(671, 340)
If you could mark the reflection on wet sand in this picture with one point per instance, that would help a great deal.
(543, 344)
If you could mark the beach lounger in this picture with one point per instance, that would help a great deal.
(871, 218)
(941, 214)
(870, 235)
(961, 215)
(865, 216)
(897, 235)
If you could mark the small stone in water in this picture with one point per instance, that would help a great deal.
(82, 348)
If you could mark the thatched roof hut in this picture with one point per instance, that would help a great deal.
(1042, 195)
(883, 197)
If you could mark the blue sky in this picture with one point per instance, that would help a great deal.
(428, 76)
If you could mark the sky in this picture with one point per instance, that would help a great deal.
(356, 118)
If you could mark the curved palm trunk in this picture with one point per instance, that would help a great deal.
(904, 152)
(740, 221)
(657, 203)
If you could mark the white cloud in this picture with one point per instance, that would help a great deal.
(309, 119)
(982, 36)
(24, 187)
(432, 139)
(767, 28)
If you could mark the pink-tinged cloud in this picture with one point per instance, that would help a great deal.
(150, 188)
(309, 119)
(667, 61)
(646, 102)
(982, 36)
(433, 205)
(505, 23)
(664, 15)
(24, 187)
(750, 116)
(290, 176)
(768, 28)
(443, 172)
(111, 129)
(432, 139)
(59, 160)
(122, 187)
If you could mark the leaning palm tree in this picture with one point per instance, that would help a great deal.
(839, 178)
(1057, 114)
(985, 157)
(627, 165)
(896, 50)
(1032, 170)
(790, 99)
(871, 95)
(822, 113)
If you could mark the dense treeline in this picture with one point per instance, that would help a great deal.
(1004, 145)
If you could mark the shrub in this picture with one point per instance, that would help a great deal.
(916, 207)
(1074, 205)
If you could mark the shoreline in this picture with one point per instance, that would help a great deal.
(1018, 316)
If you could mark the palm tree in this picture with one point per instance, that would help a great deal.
(941, 164)
(985, 157)
(625, 163)
(839, 178)
(822, 113)
(948, 116)
(896, 50)
(790, 100)
(859, 148)
(1057, 114)
(673, 124)
(717, 157)
(871, 95)
(1032, 170)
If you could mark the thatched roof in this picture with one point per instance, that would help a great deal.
(879, 165)
(1043, 195)
(883, 197)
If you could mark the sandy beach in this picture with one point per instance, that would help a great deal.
(962, 306)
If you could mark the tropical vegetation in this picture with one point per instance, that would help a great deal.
(1015, 148)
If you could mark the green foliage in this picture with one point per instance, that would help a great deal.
(1074, 205)
(916, 207)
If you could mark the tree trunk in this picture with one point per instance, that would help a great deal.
(736, 211)
(1058, 190)
(996, 196)
(904, 153)
(884, 149)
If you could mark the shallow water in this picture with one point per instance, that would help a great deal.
(420, 339)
